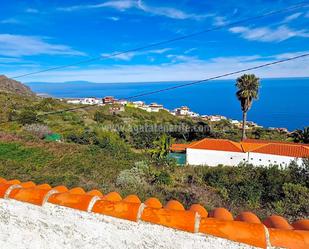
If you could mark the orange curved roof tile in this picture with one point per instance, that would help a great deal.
(95, 192)
(132, 198)
(251, 145)
(217, 144)
(301, 225)
(221, 214)
(199, 209)
(246, 228)
(174, 205)
(276, 221)
(153, 202)
(179, 147)
(112, 196)
(248, 217)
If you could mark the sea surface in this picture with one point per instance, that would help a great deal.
(282, 102)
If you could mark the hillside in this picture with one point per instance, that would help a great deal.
(12, 86)
(111, 152)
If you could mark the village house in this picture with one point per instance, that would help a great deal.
(85, 101)
(137, 104)
(90, 101)
(213, 152)
(154, 107)
(182, 111)
(114, 110)
(109, 100)
(74, 101)
(214, 118)
(121, 102)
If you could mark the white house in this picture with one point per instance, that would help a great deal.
(74, 101)
(154, 107)
(182, 111)
(213, 152)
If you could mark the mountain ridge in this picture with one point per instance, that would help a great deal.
(12, 86)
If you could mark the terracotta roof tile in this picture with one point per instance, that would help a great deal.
(250, 145)
(217, 144)
(179, 147)
(246, 228)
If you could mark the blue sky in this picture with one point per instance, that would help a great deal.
(38, 34)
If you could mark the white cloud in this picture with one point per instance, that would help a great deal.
(176, 58)
(20, 45)
(5, 60)
(188, 51)
(113, 18)
(10, 21)
(189, 69)
(123, 5)
(130, 55)
(266, 34)
(219, 21)
(168, 12)
(31, 10)
(292, 17)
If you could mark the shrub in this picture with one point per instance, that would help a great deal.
(27, 117)
(133, 178)
(163, 177)
(295, 200)
(38, 130)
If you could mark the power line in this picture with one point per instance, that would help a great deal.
(220, 76)
(179, 38)
(179, 86)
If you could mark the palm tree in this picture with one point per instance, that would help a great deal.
(301, 136)
(248, 89)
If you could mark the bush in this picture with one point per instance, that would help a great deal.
(133, 178)
(294, 202)
(163, 177)
(27, 117)
(38, 130)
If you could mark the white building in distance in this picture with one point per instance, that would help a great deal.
(213, 152)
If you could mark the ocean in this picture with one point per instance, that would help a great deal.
(282, 102)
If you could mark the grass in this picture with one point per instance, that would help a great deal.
(19, 153)
(69, 164)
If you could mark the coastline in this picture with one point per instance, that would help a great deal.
(276, 107)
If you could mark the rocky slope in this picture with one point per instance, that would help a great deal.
(13, 86)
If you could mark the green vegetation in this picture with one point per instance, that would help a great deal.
(301, 136)
(248, 89)
(108, 168)
(127, 152)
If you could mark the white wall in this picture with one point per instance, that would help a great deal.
(24, 225)
(258, 159)
(214, 157)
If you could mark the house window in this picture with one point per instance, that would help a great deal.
(231, 157)
(275, 161)
(251, 158)
(260, 160)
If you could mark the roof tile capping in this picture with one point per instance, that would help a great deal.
(246, 228)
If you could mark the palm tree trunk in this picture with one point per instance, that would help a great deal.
(244, 121)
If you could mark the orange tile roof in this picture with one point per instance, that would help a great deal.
(245, 228)
(276, 148)
(216, 144)
(252, 145)
(179, 147)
